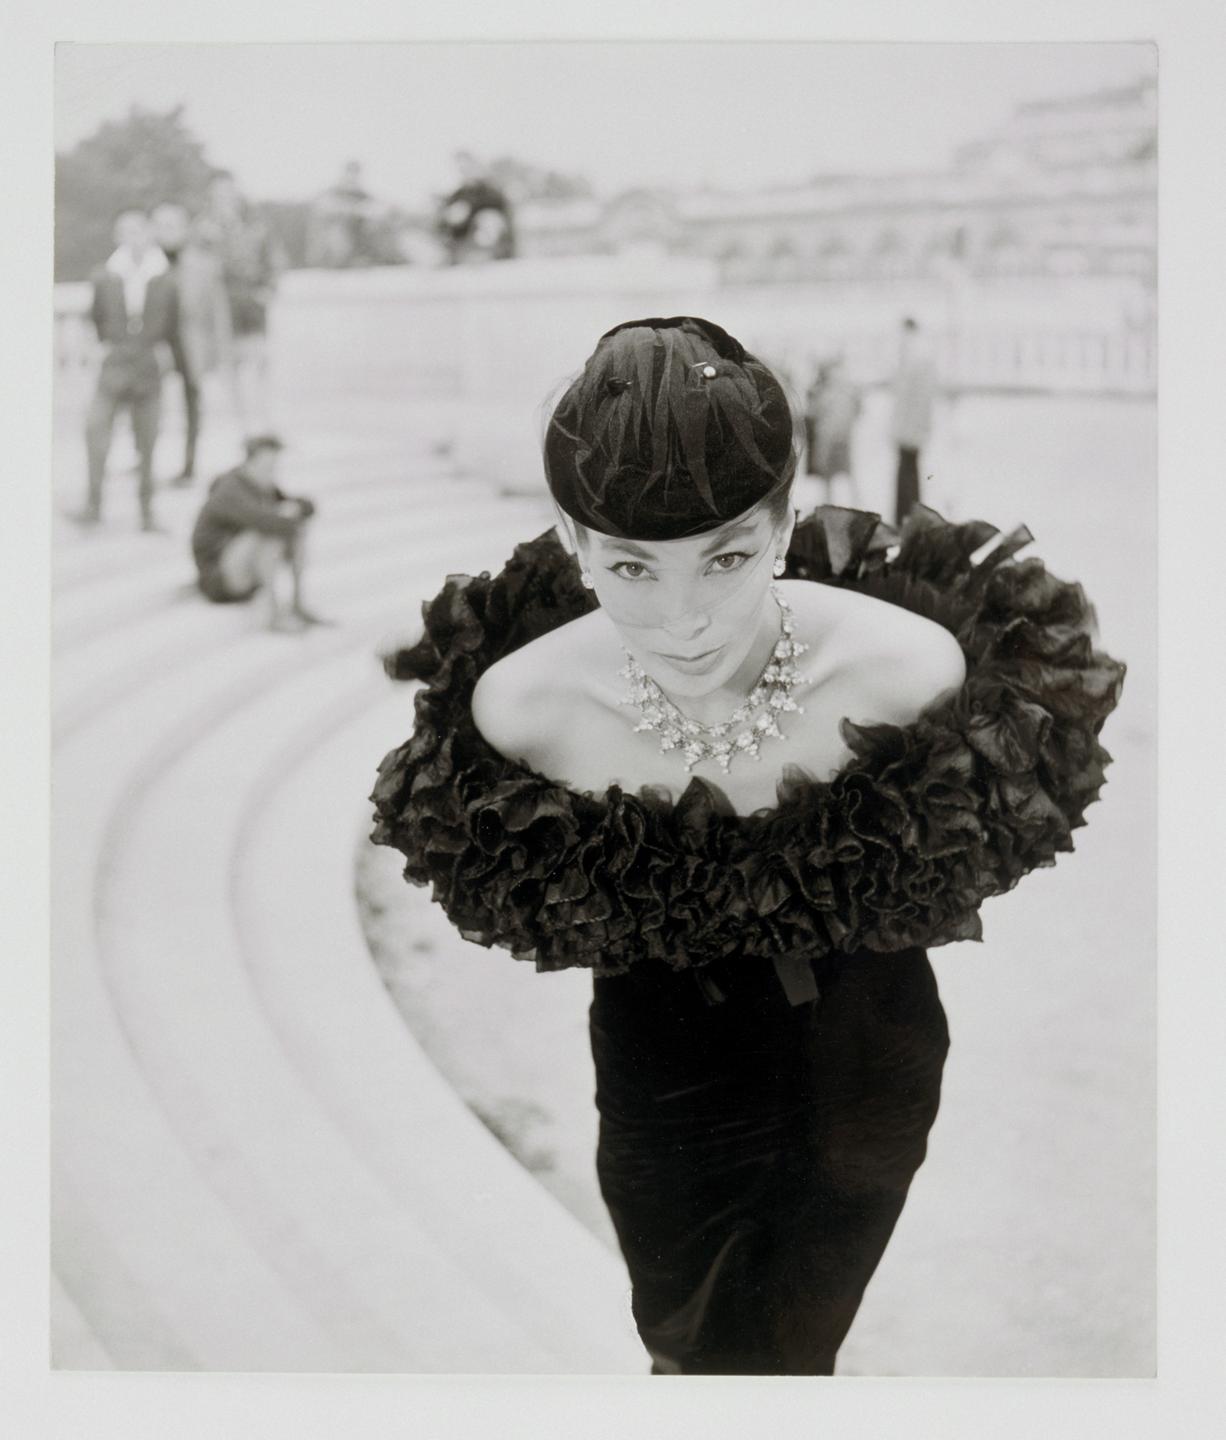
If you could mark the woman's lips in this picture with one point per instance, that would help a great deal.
(693, 665)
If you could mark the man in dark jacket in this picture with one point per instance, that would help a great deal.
(135, 311)
(249, 534)
(915, 392)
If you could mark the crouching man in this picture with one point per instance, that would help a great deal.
(250, 538)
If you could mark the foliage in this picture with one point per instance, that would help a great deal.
(139, 161)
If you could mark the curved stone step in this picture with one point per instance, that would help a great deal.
(127, 1200)
(156, 977)
(183, 636)
(477, 1201)
(348, 1256)
(141, 1197)
(129, 597)
(72, 1336)
(85, 557)
(159, 1226)
(102, 562)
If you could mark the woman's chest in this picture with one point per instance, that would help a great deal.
(594, 748)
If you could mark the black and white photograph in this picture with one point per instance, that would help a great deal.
(604, 662)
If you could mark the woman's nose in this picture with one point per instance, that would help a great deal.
(686, 623)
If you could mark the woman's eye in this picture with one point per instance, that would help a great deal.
(628, 569)
(729, 560)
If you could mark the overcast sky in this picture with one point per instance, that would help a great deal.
(285, 117)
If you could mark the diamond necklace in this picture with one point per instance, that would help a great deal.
(757, 715)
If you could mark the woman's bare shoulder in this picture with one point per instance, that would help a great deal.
(517, 700)
(900, 662)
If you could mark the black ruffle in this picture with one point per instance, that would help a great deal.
(898, 849)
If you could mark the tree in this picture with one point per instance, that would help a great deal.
(140, 161)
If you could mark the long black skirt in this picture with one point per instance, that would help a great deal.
(755, 1155)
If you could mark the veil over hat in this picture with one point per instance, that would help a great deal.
(672, 430)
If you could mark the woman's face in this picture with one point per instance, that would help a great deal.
(689, 611)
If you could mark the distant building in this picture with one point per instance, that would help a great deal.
(1064, 187)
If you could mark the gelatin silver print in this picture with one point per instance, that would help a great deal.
(604, 707)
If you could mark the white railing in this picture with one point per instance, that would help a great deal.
(1074, 361)
(456, 332)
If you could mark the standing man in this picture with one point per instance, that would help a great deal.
(915, 387)
(135, 311)
(250, 264)
(250, 536)
(202, 338)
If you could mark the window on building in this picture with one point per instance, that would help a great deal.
(889, 254)
(784, 261)
(835, 258)
(1068, 260)
(1005, 252)
(732, 259)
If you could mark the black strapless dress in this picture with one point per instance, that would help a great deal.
(765, 1025)
(755, 1155)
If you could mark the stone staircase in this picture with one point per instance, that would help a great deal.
(255, 1166)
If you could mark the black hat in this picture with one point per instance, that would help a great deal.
(672, 430)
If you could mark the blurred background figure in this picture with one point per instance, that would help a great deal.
(135, 312)
(475, 219)
(809, 490)
(832, 407)
(250, 265)
(915, 385)
(250, 538)
(349, 227)
(202, 338)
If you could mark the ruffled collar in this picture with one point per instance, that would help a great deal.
(898, 848)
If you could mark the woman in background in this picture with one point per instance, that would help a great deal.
(834, 403)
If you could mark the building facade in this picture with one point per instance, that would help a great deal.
(1065, 187)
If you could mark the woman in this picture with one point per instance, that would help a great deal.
(634, 754)
(835, 407)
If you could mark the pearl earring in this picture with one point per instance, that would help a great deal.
(780, 566)
(585, 579)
